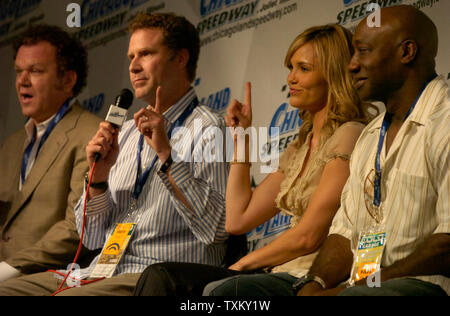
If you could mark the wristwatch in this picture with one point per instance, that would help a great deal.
(98, 185)
(165, 166)
(306, 279)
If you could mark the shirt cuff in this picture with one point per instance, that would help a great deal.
(96, 205)
(179, 171)
(443, 228)
(7, 272)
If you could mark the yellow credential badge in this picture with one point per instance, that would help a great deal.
(119, 239)
(368, 255)
(113, 251)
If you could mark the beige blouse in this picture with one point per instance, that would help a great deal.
(295, 192)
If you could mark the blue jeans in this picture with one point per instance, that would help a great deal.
(397, 287)
(280, 284)
(262, 284)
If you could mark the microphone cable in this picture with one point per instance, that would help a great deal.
(116, 116)
(82, 282)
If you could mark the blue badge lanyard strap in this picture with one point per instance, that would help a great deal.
(384, 128)
(26, 157)
(141, 180)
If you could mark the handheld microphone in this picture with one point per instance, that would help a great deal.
(118, 112)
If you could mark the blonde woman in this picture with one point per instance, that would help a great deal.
(312, 173)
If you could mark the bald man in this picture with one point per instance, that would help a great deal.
(391, 234)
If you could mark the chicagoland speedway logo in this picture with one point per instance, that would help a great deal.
(209, 6)
(14, 9)
(231, 11)
(359, 9)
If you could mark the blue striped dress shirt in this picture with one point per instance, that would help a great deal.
(166, 229)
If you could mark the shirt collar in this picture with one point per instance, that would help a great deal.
(40, 127)
(423, 108)
(427, 101)
(172, 113)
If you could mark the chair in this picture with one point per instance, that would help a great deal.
(236, 249)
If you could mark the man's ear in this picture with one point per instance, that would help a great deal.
(182, 57)
(409, 51)
(69, 80)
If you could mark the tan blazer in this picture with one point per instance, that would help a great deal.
(37, 224)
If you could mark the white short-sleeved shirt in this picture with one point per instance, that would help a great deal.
(415, 180)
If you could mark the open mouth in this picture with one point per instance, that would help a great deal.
(26, 98)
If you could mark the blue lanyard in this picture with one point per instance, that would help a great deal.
(387, 120)
(26, 157)
(141, 180)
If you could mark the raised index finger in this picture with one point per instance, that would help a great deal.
(157, 101)
(248, 95)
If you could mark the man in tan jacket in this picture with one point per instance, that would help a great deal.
(43, 164)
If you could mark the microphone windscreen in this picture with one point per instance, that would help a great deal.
(125, 99)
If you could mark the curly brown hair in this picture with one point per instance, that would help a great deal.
(71, 55)
(178, 34)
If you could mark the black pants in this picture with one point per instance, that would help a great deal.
(179, 279)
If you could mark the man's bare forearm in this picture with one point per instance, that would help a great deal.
(432, 257)
(333, 264)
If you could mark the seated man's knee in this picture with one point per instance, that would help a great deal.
(224, 287)
(154, 282)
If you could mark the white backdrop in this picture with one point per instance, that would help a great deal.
(242, 40)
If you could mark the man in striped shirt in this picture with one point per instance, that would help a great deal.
(152, 175)
(409, 200)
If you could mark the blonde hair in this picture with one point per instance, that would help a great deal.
(333, 46)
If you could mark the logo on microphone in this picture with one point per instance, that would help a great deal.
(116, 114)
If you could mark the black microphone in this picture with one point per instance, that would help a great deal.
(118, 112)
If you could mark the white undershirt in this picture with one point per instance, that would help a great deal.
(29, 128)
